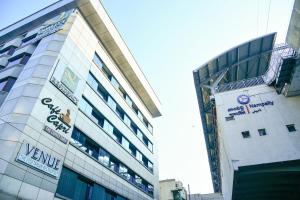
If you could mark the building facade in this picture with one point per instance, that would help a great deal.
(170, 189)
(250, 110)
(76, 110)
(212, 196)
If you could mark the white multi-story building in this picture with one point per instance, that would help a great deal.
(250, 110)
(76, 110)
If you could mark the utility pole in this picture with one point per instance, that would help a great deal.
(189, 191)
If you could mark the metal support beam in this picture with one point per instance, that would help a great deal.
(213, 87)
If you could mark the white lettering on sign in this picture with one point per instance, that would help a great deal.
(39, 159)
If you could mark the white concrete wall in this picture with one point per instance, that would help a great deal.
(278, 145)
(166, 188)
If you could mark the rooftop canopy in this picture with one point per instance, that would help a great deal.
(241, 66)
(244, 61)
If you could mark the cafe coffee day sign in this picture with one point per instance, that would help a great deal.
(247, 106)
(39, 159)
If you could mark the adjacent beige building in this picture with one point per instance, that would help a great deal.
(170, 189)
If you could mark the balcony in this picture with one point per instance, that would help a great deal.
(13, 43)
(3, 60)
(3, 95)
(28, 49)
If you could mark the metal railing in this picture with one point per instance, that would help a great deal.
(240, 84)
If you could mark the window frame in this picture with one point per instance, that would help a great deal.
(246, 134)
(262, 132)
(291, 128)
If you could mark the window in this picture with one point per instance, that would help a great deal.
(98, 118)
(92, 81)
(150, 165)
(123, 170)
(6, 84)
(125, 144)
(97, 60)
(108, 127)
(94, 150)
(20, 60)
(28, 40)
(150, 146)
(111, 103)
(11, 51)
(262, 132)
(133, 127)
(140, 135)
(8, 50)
(139, 156)
(115, 83)
(106, 71)
(104, 157)
(117, 136)
(246, 134)
(120, 112)
(291, 127)
(77, 187)
(229, 118)
(128, 100)
(135, 108)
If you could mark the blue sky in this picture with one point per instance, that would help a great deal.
(169, 39)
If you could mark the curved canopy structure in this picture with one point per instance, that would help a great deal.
(241, 66)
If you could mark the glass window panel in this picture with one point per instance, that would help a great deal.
(80, 190)
(123, 171)
(98, 192)
(96, 117)
(2, 84)
(106, 71)
(111, 103)
(88, 109)
(11, 51)
(92, 148)
(92, 82)
(150, 128)
(114, 82)
(117, 136)
(108, 128)
(138, 180)
(67, 183)
(14, 62)
(127, 120)
(132, 150)
(140, 115)
(24, 59)
(104, 157)
(139, 134)
(150, 146)
(103, 93)
(120, 112)
(128, 100)
(139, 156)
(150, 165)
(97, 60)
(133, 127)
(113, 165)
(125, 144)
(82, 104)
